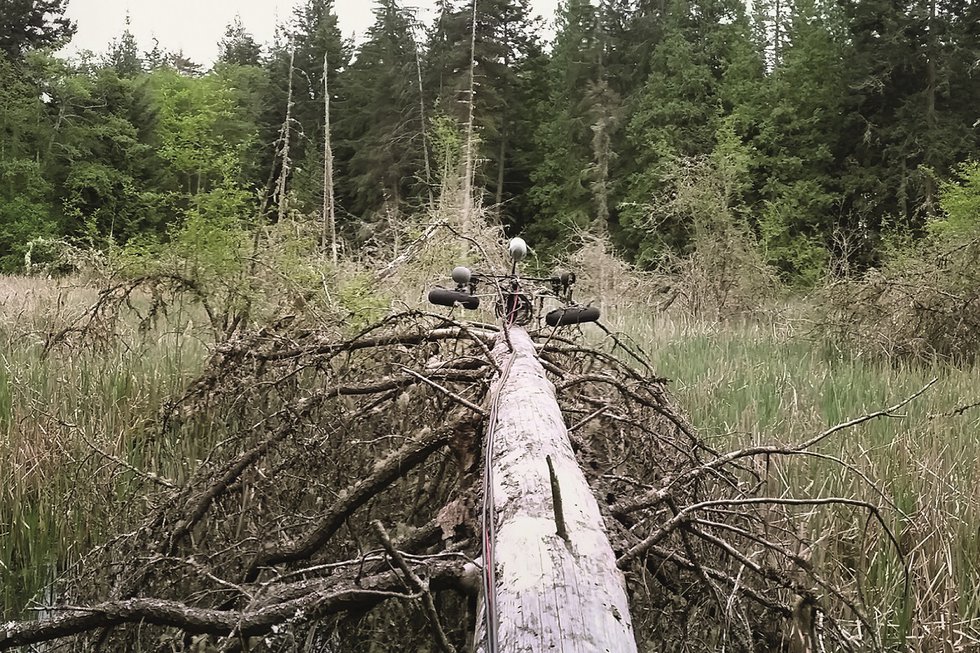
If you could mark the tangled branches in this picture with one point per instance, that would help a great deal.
(100, 321)
(923, 306)
(343, 474)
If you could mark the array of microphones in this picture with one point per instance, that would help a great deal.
(464, 292)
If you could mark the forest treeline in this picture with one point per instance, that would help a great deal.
(817, 125)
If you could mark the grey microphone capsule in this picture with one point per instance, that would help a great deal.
(461, 274)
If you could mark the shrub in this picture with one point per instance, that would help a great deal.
(925, 301)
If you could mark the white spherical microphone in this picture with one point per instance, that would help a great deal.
(517, 249)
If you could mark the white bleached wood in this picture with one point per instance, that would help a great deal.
(550, 595)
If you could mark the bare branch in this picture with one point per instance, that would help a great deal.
(417, 585)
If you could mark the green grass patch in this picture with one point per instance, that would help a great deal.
(66, 420)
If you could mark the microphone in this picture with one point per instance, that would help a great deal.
(462, 275)
(572, 315)
(517, 249)
(446, 297)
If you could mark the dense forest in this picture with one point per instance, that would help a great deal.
(820, 125)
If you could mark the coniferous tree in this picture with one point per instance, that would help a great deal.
(797, 139)
(564, 139)
(33, 24)
(634, 28)
(315, 37)
(504, 56)
(380, 123)
(156, 58)
(695, 75)
(910, 113)
(123, 54)
(184, 64)
(239, 46)
(101, 156)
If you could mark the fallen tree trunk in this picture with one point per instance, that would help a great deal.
(555, 583)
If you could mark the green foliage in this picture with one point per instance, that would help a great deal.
(24, 210)
(960, 201)
(563, 140)
(704, 62)
(505, 53)
(238, 47)
(381, 123)
(796, 138)
(853, 116)
(200, 129)
(721, 273)
(924, 303)
(213, 240)
(316, 39)
(909, 115)
(359, 297)
(33, 24)
(123, 55)
(447, 147)
(790, 242)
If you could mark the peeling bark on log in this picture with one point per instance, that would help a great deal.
(551, 595)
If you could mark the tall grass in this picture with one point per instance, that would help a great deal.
(74, 425)
(753, 382)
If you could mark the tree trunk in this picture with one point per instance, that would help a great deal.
(284, 135)
(499, 199)
(425, 127)
(329, 209)
(555, 585)
(931, 119)
(467, 222)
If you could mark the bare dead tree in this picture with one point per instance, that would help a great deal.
(425, 131)
(469, 163)
(329, 210)
(281, 195)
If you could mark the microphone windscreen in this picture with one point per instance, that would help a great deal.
(572, 315)
(462, 274)
(446, 297)
(517, 249)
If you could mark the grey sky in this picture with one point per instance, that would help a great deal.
(196, 26)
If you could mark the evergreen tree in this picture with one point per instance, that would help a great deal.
(26, 202)
(697, 73)
(156, 58)
(123, 54)
(111, 183)
(380, 124)
(183, 64)
(505, 49)
(238, 46)
(315, 37)
(33, 24)
(797, 140)
(911, 113)
(564, 139)
(252, 91)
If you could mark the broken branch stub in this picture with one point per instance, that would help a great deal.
(550, 594)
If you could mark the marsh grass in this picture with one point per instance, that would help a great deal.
(74, 424)
(761, 381)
